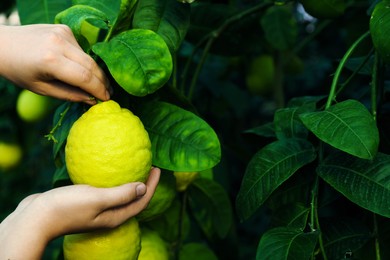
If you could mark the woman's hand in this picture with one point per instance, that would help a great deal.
(47, 60)
(39, 218)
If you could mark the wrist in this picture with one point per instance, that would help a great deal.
(20, 237)
(4, 48)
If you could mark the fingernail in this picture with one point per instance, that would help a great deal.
(140, 190)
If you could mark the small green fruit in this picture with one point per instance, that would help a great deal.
(32, 107)
(152, 246)
(10, 155)
(162, 198)
(260, 75)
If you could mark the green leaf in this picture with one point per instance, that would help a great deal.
(40, 11)
(170, 19)
(123, 20)
(288, 124)
(341, 235)
(364, 182)
(76, 16)
(347, 126)
(181, 141)
(268, 169)
(110, 10)
(304, 101)
(210, 203)
(295, 190)
(266, 130)
(196, 251)
(64, 117)
(291, 215)
(138, 59)
(285, 243)
(61, 177)
(280, 27)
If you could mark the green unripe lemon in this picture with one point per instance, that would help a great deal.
(162, 198)
(184, 179)
(325, 9)
(152, 246)
(260, 75)
(10, 155)
(380, 29)
(32, 107)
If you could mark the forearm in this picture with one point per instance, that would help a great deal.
(4, 48)
(20, 242)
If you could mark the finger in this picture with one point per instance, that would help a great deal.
(116, 216)
(81, 72)
(122, 195)
(77, 55)
(72, 73)
(60, 90)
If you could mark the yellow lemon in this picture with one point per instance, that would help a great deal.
(10, 155)
(32, 107)
(184, 179)
(152, 246)
(108, 146)
(122, 243)
(162, 198)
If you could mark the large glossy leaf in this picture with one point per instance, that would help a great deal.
(265, 130)
(170, 19)
(295, 190)
(304, 101)
(40, 11)
(181, 141)
(123, 20)
(280, 27)
(347, 126)
(268, 169)
(342, 235)
(364, 182)
(76, 16)
(288, 124)
(285, 243)
(138, 59)
(110, 10)
(291, 215)
(210, 204)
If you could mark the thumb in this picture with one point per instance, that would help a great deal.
(122, 195)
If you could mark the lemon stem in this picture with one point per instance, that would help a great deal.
(181, 223)
(332, 94)
(50, 135)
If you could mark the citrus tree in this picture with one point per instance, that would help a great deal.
(269, 120)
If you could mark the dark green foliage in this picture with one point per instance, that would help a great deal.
(301, 173)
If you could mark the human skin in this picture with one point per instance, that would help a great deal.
(40, 218)
(46, 59)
